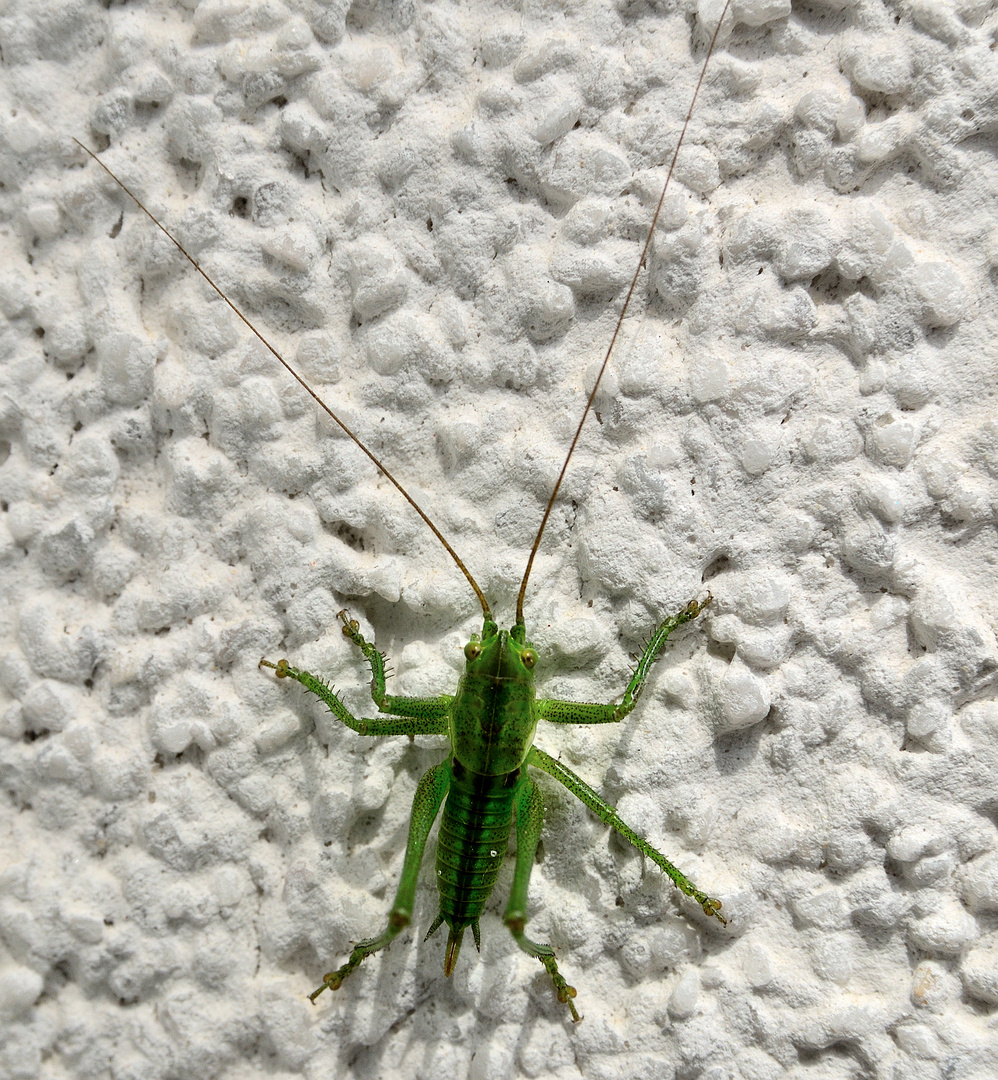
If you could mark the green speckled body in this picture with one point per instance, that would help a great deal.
(474, 834)
(491, 722)
(493, 716)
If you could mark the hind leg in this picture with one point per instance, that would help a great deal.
(425, 807)
(529, 822)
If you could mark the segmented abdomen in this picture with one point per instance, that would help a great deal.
(474, 832)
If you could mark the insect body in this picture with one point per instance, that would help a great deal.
(484, 782)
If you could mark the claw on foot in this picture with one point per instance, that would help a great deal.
(332, 981)
(712, 908)
(694, 607)
(565, 994)
(281, 668)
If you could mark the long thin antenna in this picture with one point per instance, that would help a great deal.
(486, 610)
(620, 321)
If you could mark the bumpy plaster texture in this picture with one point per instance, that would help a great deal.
(434, 208)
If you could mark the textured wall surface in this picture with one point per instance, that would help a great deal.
(434, 208)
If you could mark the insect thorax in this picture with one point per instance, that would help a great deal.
(493, 716)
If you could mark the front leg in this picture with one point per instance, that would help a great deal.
(434, 723)
(586, 712)
(417, 708)
(416, 716)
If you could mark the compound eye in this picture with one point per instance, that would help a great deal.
(472, 650)
(529, 658)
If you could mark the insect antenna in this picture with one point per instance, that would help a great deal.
(620, 320)
(486, 610)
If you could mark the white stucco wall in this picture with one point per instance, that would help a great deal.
(434, 209)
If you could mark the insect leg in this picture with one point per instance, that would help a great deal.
(608, 815)
(418, 708)
(652, 652)
(584, 712)
(427, 717)
(529, 822)
(425, 806)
